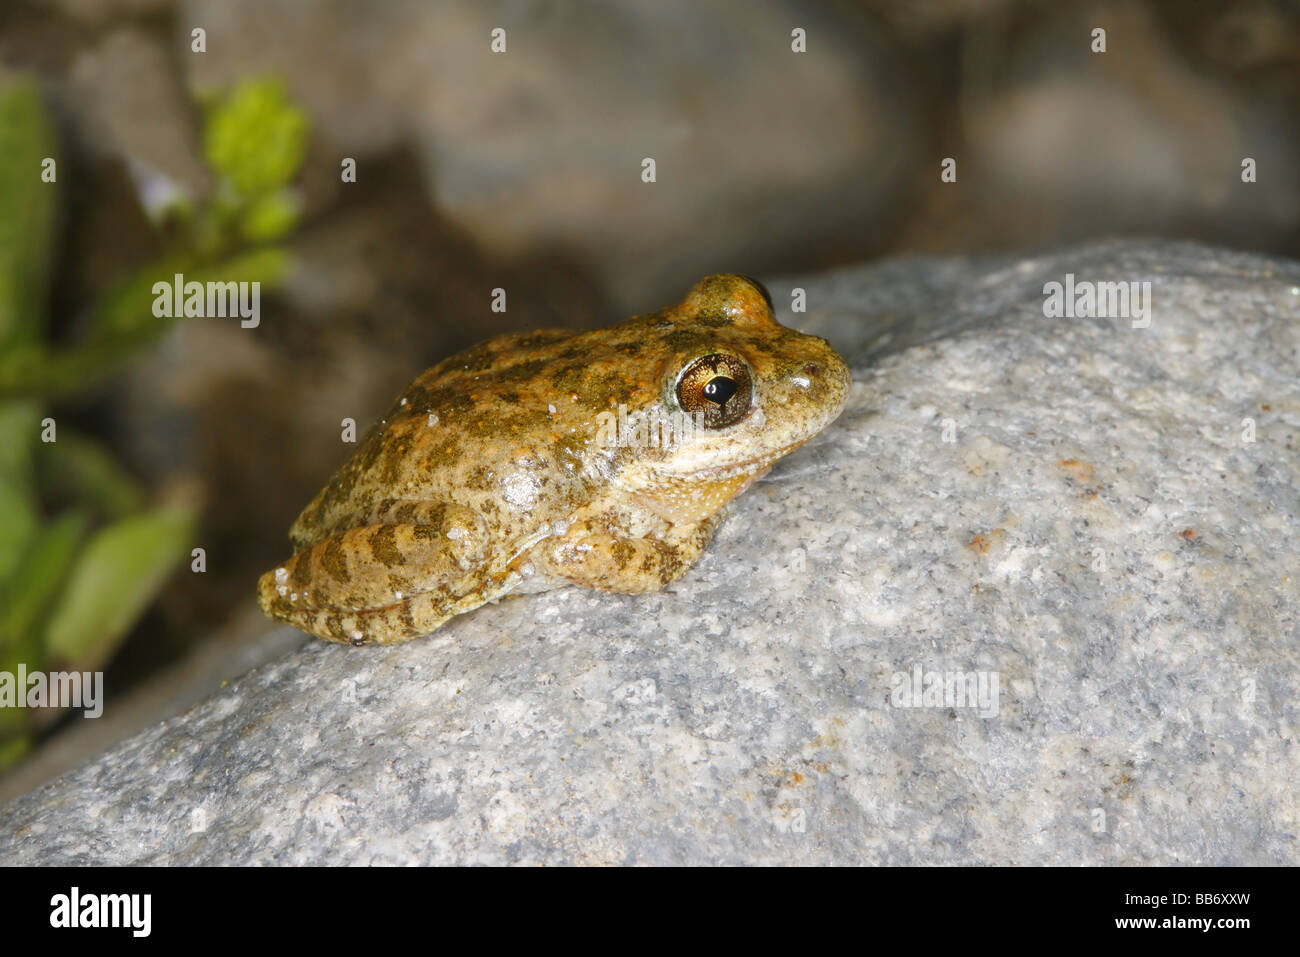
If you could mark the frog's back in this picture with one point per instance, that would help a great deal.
(504, 428)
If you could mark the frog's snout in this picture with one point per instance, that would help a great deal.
(825, 378)
(825, 365)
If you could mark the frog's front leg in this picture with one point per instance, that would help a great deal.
(382, 583)
(591, 555)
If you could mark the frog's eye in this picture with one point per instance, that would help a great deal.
(716, 390)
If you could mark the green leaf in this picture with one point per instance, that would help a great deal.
(18, 524)
(125, 325)
(20, 424)
(128, 310)
(255, 138)
(48, 373)
(270, 218)
(267, 266)
(32, 588)
(13, 750)
(26, 211)
(19, 510)
(79, 469)
(115, 578)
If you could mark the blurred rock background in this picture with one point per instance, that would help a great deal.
(522, 170)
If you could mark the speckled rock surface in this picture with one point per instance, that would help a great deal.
(1072, 508)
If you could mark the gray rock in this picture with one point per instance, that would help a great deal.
(1094, 531)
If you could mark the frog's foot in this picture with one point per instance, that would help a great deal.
(602, 560)
(381, 584)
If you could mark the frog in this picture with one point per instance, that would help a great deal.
(525, 463)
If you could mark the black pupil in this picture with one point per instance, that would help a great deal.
(719, 389)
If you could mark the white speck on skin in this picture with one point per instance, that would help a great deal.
(520, 490)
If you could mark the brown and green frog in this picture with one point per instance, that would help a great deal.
(499, 470)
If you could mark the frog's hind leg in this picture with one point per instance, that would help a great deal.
(381, 584)
(391, 624)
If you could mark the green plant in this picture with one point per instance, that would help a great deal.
(83, 552)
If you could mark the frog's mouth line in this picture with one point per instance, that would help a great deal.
(731, 471)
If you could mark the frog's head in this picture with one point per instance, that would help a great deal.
(753, 389)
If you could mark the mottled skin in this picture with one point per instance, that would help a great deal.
(489, 474)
